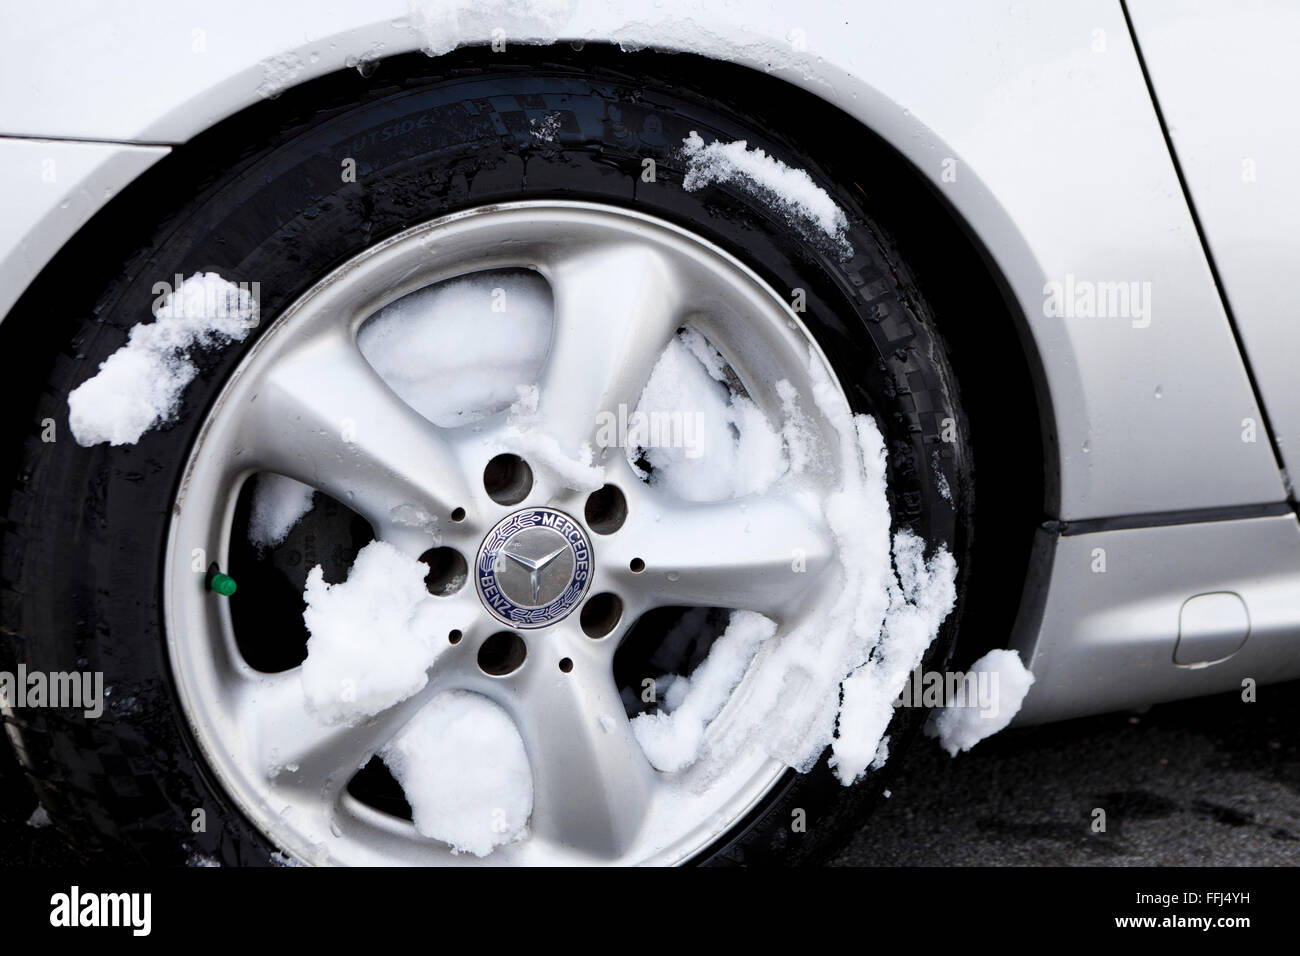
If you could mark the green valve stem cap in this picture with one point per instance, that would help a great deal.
(223, 584)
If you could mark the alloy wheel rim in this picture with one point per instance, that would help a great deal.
(623, 283)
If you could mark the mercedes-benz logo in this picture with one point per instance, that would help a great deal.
(533, 567)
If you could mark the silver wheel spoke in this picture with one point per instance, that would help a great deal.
(592, 783)
(616, 307)
(763, 553)
(306, 755)
(326, 418)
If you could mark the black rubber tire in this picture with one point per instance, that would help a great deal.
(82, 542)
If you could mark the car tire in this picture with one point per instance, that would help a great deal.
(81, 552)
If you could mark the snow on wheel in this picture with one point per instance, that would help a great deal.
(558, 518)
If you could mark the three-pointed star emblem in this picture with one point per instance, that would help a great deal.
(534, 566)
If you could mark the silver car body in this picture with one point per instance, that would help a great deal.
(1172, 565)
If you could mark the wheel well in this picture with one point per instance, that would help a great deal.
(1000, 378)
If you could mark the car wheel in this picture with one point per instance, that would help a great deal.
(205, 746)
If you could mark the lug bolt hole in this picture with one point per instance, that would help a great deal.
(447, 571)
(502, 653)
(458, 514)
(636, 565)
(508, 479)
(600, 614)
(566, 664)
(454, 637)
(606, 510)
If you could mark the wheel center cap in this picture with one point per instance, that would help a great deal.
(533, 567)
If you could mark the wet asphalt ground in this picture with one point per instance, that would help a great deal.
(1209, 782)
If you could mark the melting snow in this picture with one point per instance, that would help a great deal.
(961, 728)
(526, 437)
(672, 740)
(467, 348)
(790, 190)
(373, 637)
(728, 449)
(444, 24)
(885, 606)
(40, 818)
(139, 386)
(413, 516)
(463, 767)
(460, 759)
(457, 351)
(278, 504)
(944, 490)
(919, 600)
(278, 74)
